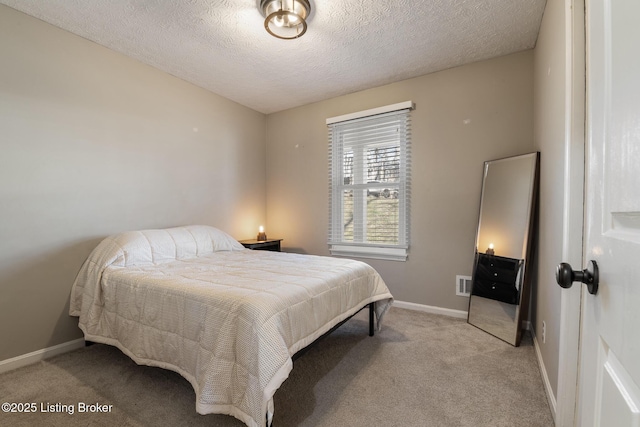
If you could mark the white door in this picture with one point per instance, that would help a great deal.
(610, 329)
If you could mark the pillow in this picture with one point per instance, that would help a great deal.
(143, 248)
(154, 246)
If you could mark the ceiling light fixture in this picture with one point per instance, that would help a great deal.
(285, 19)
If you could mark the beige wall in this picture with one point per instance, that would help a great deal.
(463, 116)
(559, 99)
(549, 134)
(94, 143)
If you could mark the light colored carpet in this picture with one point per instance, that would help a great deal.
(420, 370)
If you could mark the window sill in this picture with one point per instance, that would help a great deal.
(389, 254)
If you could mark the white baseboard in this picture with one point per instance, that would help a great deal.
(545, 379)
(38, 355)
(430, 309)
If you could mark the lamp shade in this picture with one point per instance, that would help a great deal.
(285, 19)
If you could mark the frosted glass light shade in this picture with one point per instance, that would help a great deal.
(285, 19)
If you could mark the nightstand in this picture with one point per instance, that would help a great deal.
(262, 245)
(497, 278)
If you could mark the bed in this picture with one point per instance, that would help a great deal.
(228, 319)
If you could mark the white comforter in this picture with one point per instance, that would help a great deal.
(228, 319)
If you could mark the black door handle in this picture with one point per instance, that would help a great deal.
(565, 276)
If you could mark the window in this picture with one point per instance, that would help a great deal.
(369, 173)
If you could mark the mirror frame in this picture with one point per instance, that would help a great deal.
(503, 314)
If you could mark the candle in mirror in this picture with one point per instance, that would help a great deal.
(490, 250)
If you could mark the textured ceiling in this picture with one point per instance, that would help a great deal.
(351, 45)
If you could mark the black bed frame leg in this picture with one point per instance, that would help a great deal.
(371, 309)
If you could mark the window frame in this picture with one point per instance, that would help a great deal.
(337, 245)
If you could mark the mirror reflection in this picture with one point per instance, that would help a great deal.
(500, 290)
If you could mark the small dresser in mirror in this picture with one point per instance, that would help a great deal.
(503, 254)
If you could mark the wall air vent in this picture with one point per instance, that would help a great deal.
(463, 286)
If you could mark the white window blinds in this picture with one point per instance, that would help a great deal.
(369, 172)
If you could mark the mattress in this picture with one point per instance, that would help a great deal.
(228, 319)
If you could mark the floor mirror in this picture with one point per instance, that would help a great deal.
(503, 254)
